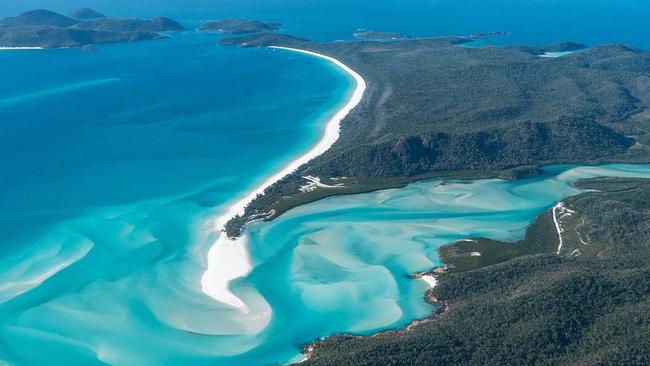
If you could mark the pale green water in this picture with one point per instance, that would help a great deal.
(342, 264)
(338, 265)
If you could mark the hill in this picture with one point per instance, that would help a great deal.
(435, 109)
(47, 29)
(86, 14)
(38, 17)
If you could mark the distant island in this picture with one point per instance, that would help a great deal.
(378, 35)
(239, 26)
(47, 29)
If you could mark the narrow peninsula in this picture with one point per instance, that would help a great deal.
(228, 256)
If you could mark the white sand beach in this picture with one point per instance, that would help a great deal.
(228, 257)
(430, 280)
(20, 48)
(556, 54)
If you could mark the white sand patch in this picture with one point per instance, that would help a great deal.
(475, 254)
(582, 241)
(303, 356)
(314, 182)
(556, 54)
(560, 212)
(298, 359)
(228, 258)
(20, 48)
(430, 280)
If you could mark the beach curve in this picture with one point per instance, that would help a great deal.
(228, 258)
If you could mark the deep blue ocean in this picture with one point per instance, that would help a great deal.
(113, 164)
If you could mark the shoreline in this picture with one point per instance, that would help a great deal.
(228, 257)
(311, 349)
(20, 48)
(430, 278)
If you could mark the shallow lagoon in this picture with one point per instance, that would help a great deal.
(114, 164)
(338, 265)
(342, 264)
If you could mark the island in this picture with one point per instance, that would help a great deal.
(47, 29)
(574, 290)
(239, 26)
(433, 109)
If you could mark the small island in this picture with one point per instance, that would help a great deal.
(47, 29)
(239, 26)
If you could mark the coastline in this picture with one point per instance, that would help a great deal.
(228, 257)
(20, 48)
(605, 188)
(430, 278)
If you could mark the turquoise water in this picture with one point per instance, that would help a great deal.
(114, 163)
(530, 21)
(341, 265)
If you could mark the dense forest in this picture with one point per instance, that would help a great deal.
(528, 305)
(434, 108)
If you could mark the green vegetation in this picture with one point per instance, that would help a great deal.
(432, 108)
(378, 35)
(540, 238)
(44, 28)
(239, 26)
(521, 304)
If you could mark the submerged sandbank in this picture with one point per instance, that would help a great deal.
(228, 257)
